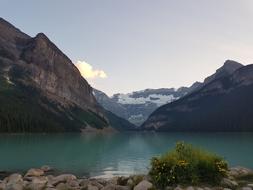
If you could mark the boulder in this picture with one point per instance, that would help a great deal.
(73, 183)
(143, 185)
(13, 178)
(130, 182)
(189, 188)
(229, 183)
(240, 172)
(62, 179)
(84, 183)
(246, 188)
(35, 186)
(16, 186)
(115, 187)
(91, 187)
(95, 183)
(2, 185)
(178, 188)
(34, 172)
(64, 186)
(46, 168)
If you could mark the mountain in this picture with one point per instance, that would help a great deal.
(137, 106)
(222, 104)
(41, 90)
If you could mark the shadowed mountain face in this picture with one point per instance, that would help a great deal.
(41, 89)
(223, 104)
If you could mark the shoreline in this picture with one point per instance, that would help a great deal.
(46, 178)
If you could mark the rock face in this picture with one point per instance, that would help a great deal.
(223, 104)
(43, 86)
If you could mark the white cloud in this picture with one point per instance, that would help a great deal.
(88, 72)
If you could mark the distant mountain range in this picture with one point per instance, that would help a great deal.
(41, 90)
(137, 106)
(223, 103)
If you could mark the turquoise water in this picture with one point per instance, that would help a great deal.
(114, 154)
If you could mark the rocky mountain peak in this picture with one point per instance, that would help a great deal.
(10, 32)
(228, 68)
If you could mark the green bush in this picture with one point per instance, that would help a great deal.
(187, 165)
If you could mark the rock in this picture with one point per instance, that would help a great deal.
(114, 180)
(130, 182)
(240, 172)
(115, 187)
(95, 183)
(91, 187)
(178, 188)
(122, 181)
(207, 188)
(40, 180)
(143, 185)
(62, 186)
(14, 178)
(190, 188)
(250, 185)
(14, 186)
(199, 188)
(229, 183)
(246, 188)
(2, 186)
(226, 189)
(34, 172)
(62, 178)
(84, 182)
(36, 186)
(73, 183)
(46, 168)
(102, 181)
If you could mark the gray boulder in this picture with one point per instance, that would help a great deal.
(143, 185)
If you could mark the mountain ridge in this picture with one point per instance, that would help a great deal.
(221, 105)
(44, 87)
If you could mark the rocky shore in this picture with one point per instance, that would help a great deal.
(42, 179)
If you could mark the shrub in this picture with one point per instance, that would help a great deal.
(187, 165)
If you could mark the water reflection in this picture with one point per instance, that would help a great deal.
(112, 154)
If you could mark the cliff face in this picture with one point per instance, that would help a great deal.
(36, 64)
(55, 74)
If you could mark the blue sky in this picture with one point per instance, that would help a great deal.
(141, 44)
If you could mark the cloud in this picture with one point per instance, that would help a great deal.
(88, 72)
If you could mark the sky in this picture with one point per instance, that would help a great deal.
(123, 46)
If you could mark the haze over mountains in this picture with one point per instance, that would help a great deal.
(137, 106)
(42, 90)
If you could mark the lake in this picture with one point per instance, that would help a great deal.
(113, 154)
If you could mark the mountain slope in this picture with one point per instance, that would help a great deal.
(41, 89)
(224, 104)
(137, 106)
